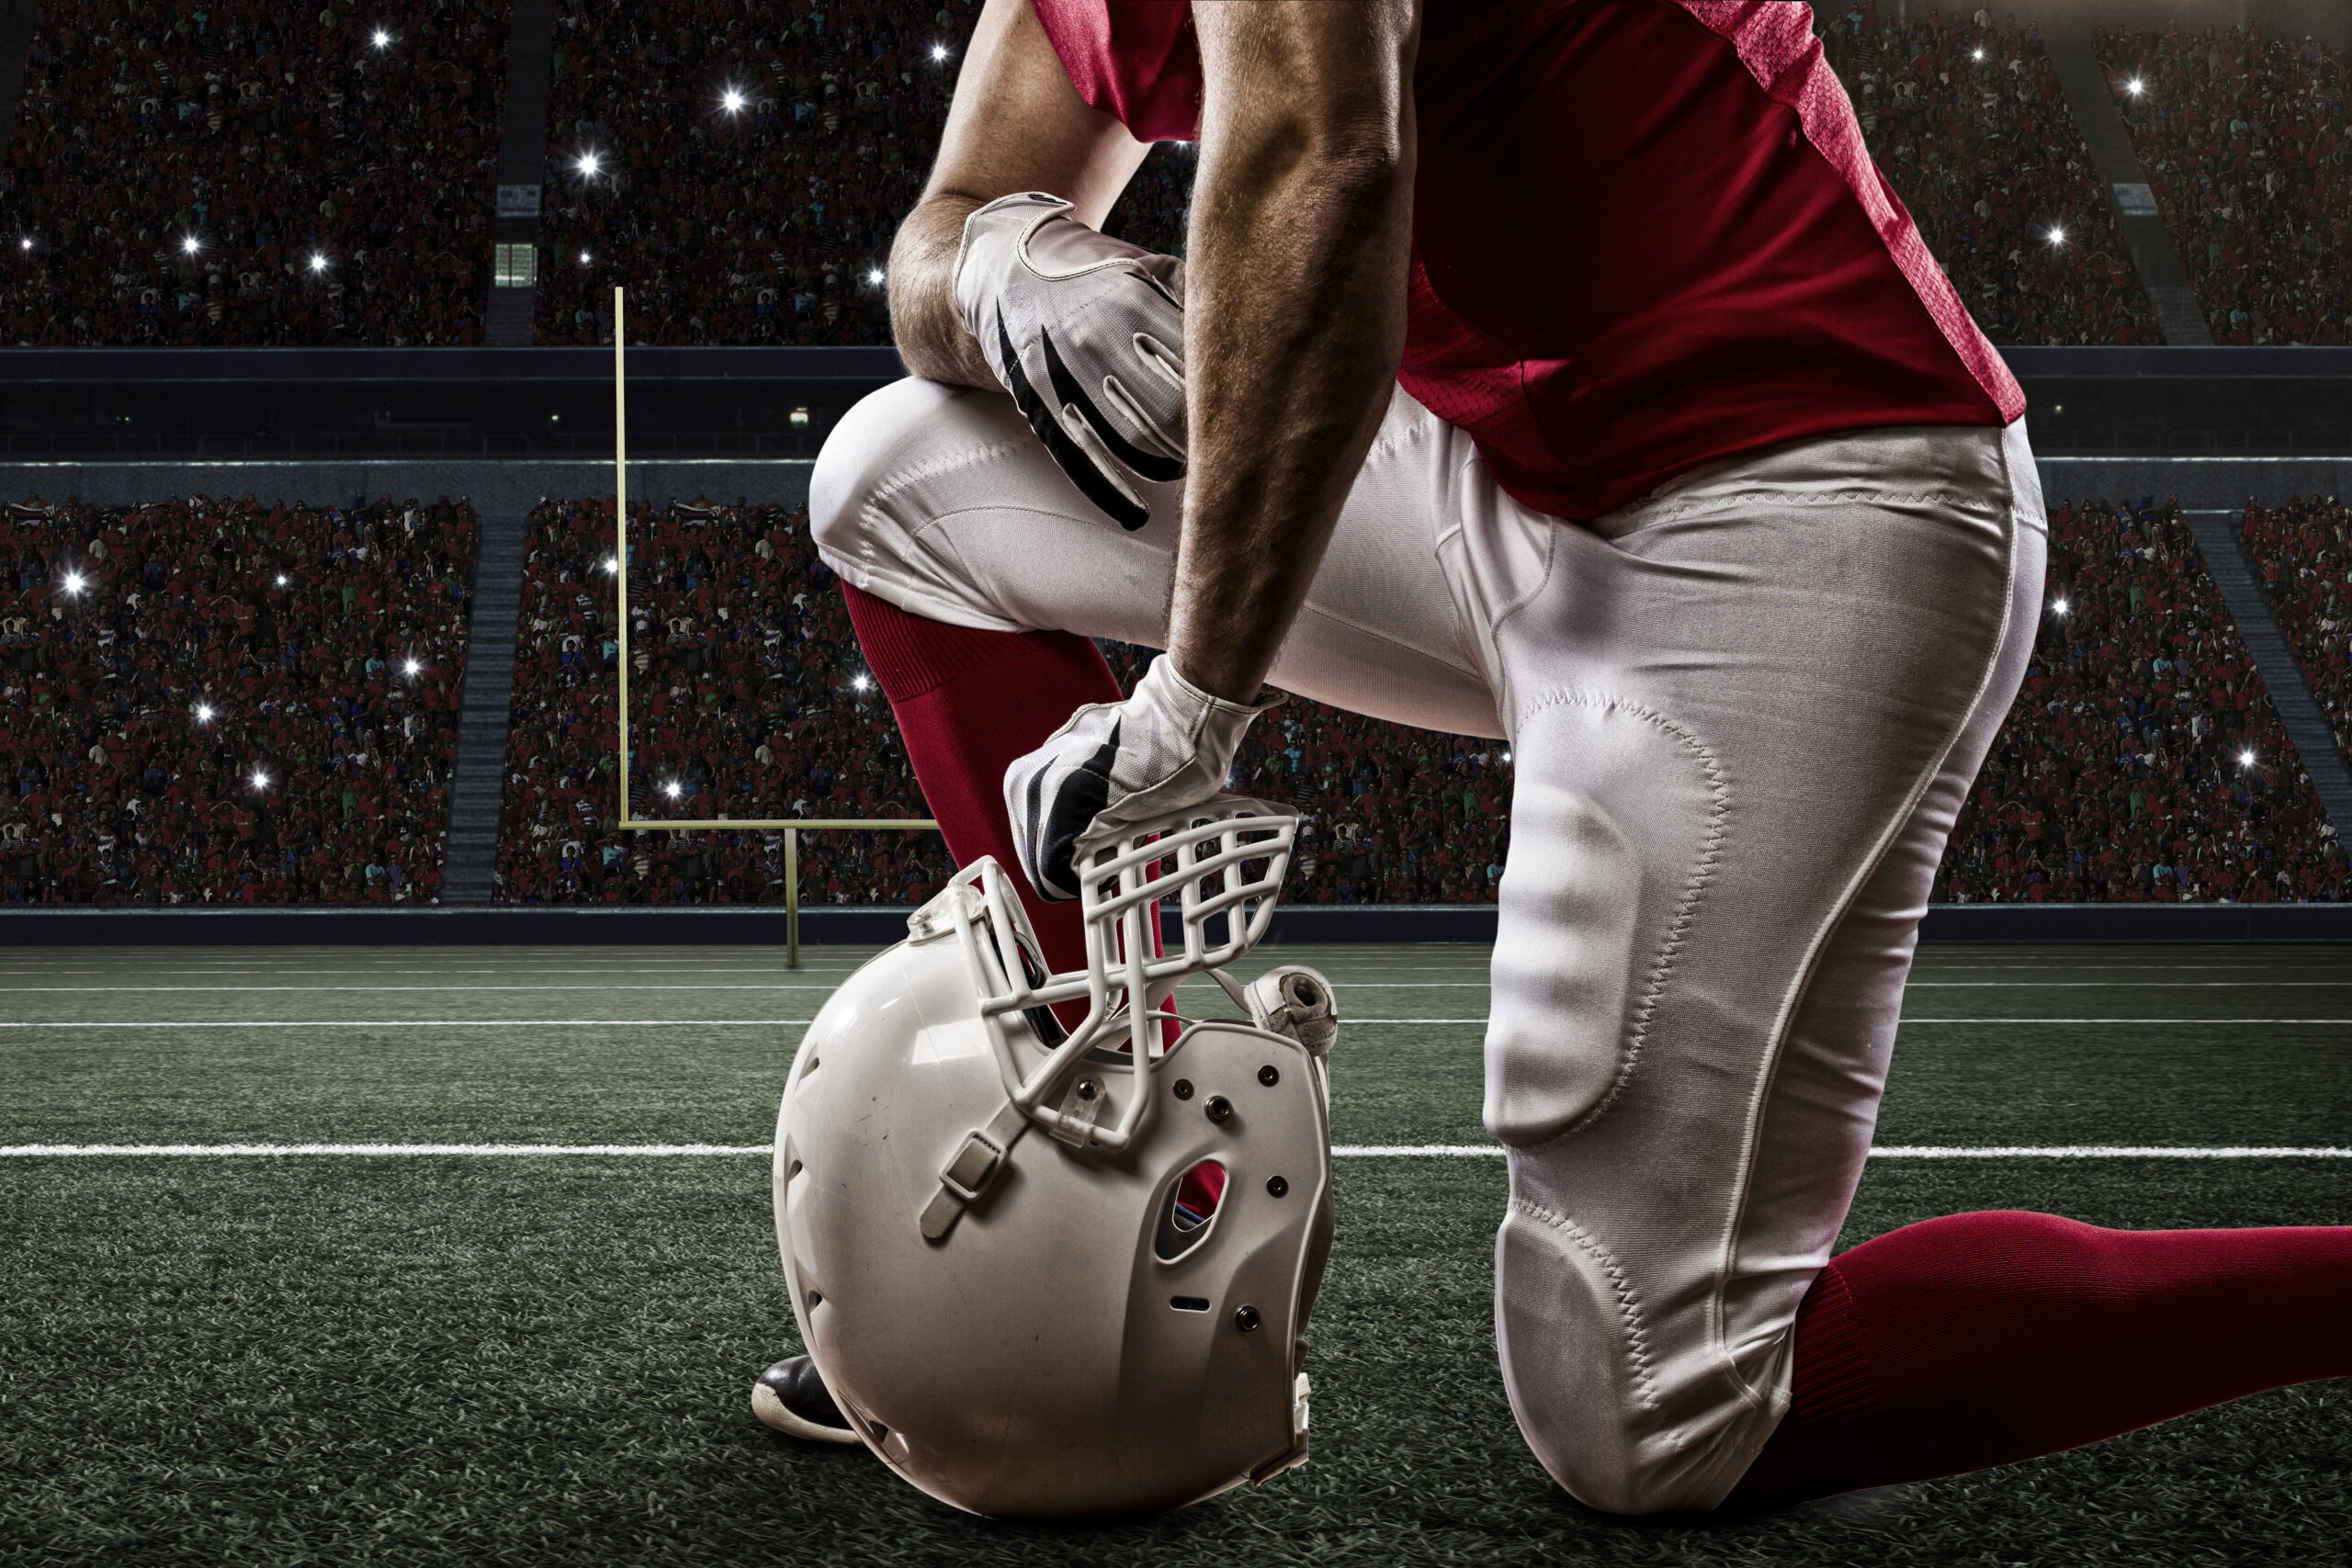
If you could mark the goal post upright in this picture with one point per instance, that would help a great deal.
(791, 827)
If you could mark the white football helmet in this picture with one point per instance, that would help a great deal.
(1105, 1317)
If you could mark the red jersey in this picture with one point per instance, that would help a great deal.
(1646, 234)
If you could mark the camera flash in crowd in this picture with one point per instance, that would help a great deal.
(731, 101)
(672, 789)
(318, 262)
(939, 51)
(873, 275)
(188, 246)
(859, 681)
(261, 780)
(2135, 86)
(2246, 758)
(413, 668)
(2057, 234)
(26, 244)
(73, 582)
(281, 580)
(2059, 605)
(584, 258)
(382, 39)
(612, 564)
(204, 713)
(589, 162)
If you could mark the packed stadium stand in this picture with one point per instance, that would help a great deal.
(2143, 760)
(742, 170)
(2248, 148)
(218, 701)
(748, 699)
(185, 171)
(2302, 552)
(1965, 117)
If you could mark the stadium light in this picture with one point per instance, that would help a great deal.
(318, 262)
(588, 163)
(204, 713)
(731, 101)
(73, 582)
(938, 52)
(382, 39)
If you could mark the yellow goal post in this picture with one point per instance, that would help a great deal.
(791, 827)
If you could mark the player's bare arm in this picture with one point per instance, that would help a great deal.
(1301, 227)
(1016, 125)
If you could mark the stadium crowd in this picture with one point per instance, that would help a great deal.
(217, 701)
(2301, 548)
(2246, 145)
(748, 699)
(741, 169)
(1966, 119)
(234, 171)
(2142, 760)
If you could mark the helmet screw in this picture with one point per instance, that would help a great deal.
(1183, 1089)
(1270, 1075)
(1088, 1089)
(1277, 1186)
(1220, 1108)
(1245, 1318)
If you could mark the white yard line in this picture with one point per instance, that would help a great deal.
(751, 1022)
(1344, 1151)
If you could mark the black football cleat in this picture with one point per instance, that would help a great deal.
(791, 1397)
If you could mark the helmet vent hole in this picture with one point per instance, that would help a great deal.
(810, 1070)
(1191, 1206)
(797, 1169)
(1189, 1303)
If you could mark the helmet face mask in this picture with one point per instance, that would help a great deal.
(1105, 1318)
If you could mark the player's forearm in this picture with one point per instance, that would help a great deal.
(930, 330)
(1294, 322)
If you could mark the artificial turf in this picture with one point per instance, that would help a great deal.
(543, 1360)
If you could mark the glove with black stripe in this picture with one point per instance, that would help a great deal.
(1168, 747)
(1087, 333)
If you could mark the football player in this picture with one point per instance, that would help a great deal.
(1563, 371)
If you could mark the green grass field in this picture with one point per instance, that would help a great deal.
(442, 1357)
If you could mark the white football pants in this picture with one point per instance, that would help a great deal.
(1745, 711)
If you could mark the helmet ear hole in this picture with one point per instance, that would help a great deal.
(1189, 1209)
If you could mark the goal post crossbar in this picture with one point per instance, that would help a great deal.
(791, 827)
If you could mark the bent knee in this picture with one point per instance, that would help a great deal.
(1618, 1407)
(885, 434)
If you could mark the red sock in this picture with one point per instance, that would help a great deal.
(1981, 1340)
(968, 703)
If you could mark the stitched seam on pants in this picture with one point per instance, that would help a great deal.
(869, 508)
(1629, 1305)
(1753, 1131)
(1686, 909)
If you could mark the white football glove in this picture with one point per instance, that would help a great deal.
(1114, 764)
(1087, 333)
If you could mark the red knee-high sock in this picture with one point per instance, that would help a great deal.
(1981, 1340)
(968, 703)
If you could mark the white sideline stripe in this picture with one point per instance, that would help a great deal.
(1344, 1151)
(767, 1022)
